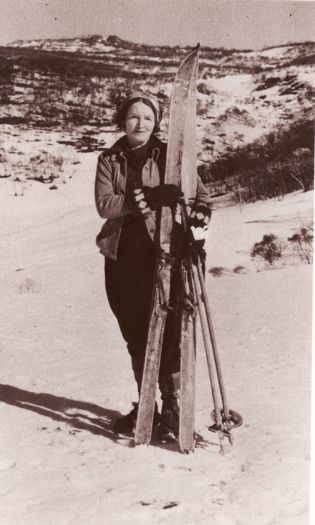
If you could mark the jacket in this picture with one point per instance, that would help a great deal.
(111, 188)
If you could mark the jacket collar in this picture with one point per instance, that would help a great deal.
(119, 148)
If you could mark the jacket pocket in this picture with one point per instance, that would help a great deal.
(107, 239)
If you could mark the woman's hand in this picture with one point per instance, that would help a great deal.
(164, 195)
(199, 221)
(138, 202)
(145, 199)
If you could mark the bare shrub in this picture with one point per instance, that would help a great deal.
(269, 249)
(302, 242)
(40, 166)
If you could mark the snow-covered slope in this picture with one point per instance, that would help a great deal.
(66, 375)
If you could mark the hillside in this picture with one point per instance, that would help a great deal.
(72, 85)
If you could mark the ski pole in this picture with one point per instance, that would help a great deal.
(230, 417)
(210, 358)
(225, 419)
(203, 300)
(206, 304)
(212, 368)
(213, 340)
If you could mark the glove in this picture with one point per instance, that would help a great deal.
(143, 200)
(164, 195)
(138, 203)
(199, 221)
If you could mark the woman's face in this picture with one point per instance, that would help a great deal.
(140, 122)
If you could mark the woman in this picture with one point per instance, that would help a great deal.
(129, 192)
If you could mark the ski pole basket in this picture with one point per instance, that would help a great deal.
(233, 420)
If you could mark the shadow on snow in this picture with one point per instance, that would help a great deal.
(77, 414)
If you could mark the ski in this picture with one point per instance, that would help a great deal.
(176, 159)
(188, 331)
(188, 365)
(151, 368)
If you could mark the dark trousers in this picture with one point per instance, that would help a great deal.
(129, 284)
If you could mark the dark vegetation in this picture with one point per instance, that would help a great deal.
(58, 89)
(272, 248)
(279, 163)
(302, 242)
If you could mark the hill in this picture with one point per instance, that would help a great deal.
(73, 85)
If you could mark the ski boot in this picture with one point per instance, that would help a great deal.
(168, 429)
(169, 422)
(126, 424)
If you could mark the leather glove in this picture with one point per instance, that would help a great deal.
(143, 200)
(138, 203)
(163, 195)
(199, 221)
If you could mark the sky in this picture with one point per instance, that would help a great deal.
(242, 24)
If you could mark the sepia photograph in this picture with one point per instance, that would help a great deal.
(156, 262)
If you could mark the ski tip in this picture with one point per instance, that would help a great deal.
(197, 46)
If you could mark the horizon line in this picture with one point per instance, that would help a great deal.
(144, 44)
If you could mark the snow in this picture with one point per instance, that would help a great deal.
(308, 76)
(236, 85)
(65, 374)
(276, 52)
(71, 46)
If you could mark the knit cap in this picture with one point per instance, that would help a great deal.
(153, 101)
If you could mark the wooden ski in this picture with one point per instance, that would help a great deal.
(175, 160)
(188, 331)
